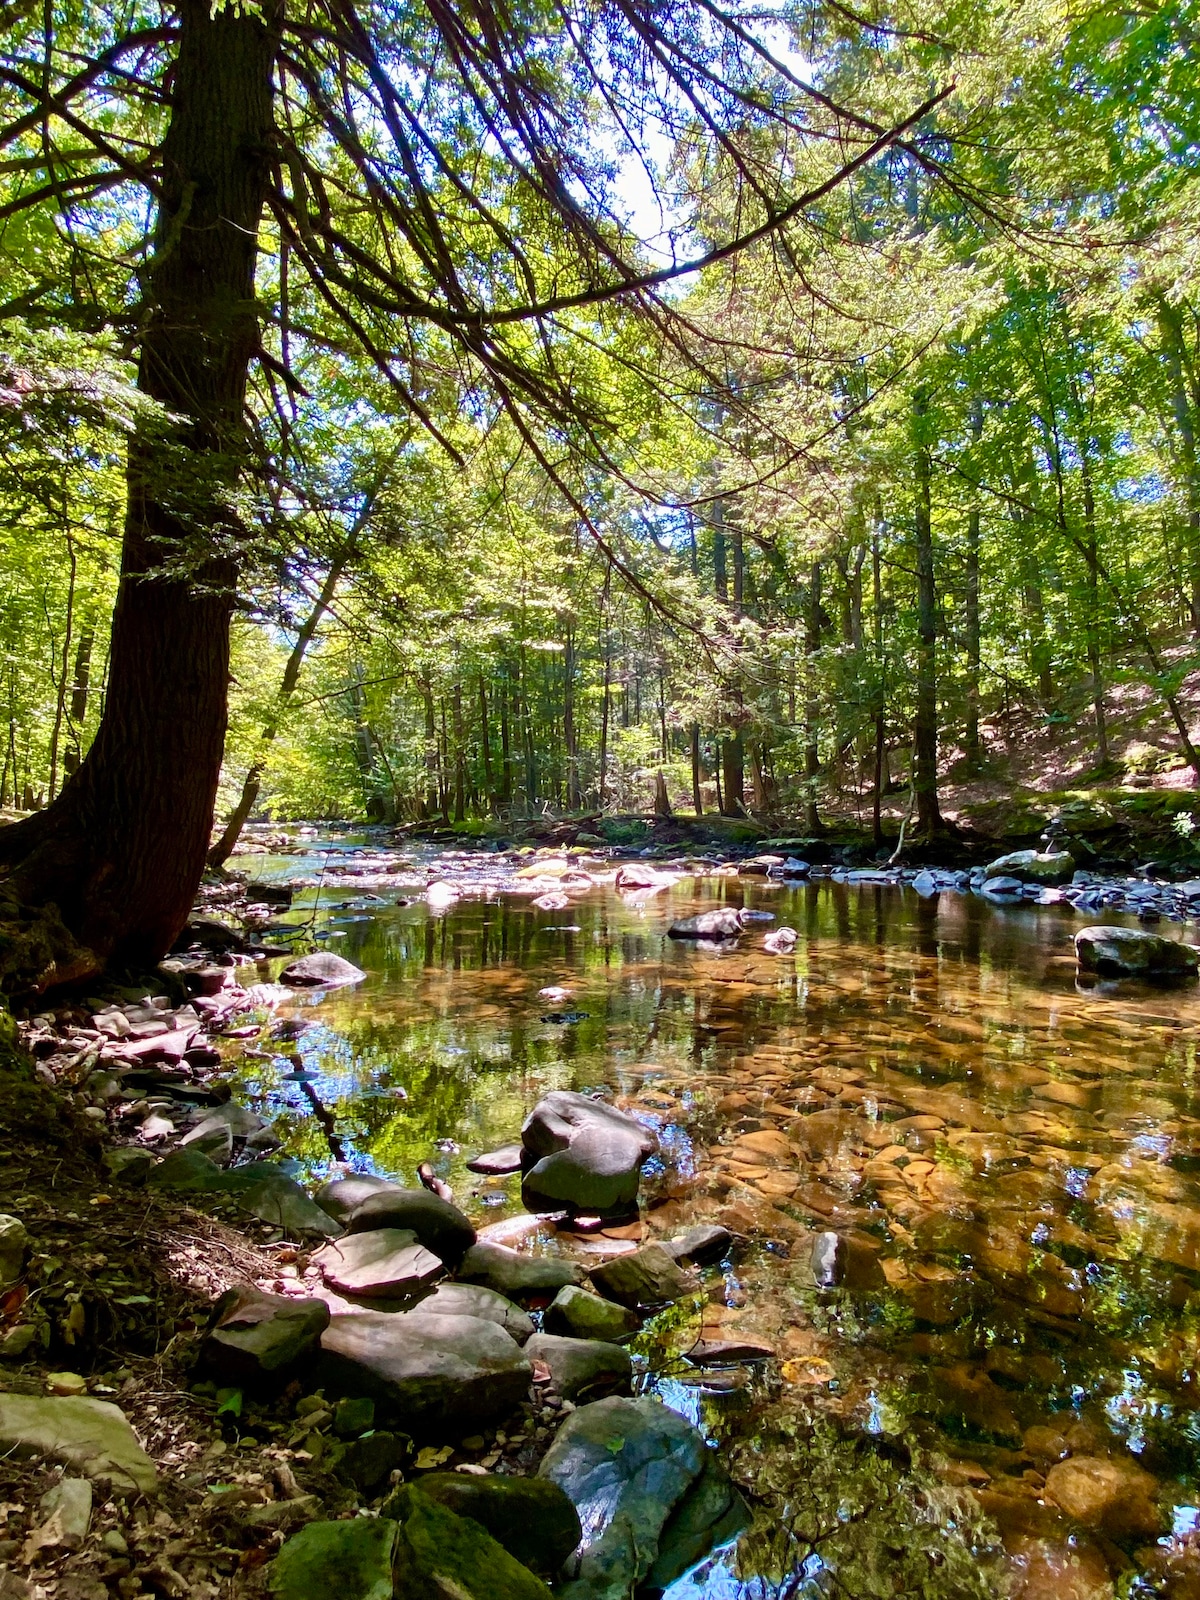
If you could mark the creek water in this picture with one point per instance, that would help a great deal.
(1010, 1157)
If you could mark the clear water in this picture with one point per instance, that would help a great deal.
(1013, 1156)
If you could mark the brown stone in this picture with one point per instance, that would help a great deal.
(1115, 1497)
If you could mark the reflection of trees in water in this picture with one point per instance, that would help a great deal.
(851, 1515)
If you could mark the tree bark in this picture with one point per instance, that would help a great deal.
(697, 772)
(121, 852)
(925, 731)
(812, 751)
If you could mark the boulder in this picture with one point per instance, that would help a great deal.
(584, 1368)
(723, 923)
(781, 942)
(384, 1264)
(582, 1153)
(531, 1517)
(1131, 952)
(14, 1242)
(581, 1315)
(1003, 888)
(340, 1195)
(710, 1515)
(699, 1245)
(261, 1337)
(350, 1560)
(366, 1462)
(442, 1556)
(266, 1192)
(495, 1163)
(474, 1300)
(1114, 1497)
(67, 1508)
(1034, 866)
(438, 1225)
(183, 1170)
(90, 1435)
(323, 970)
(425, 1370)
(625, 1465)
(647, 1277)
(514, 1273)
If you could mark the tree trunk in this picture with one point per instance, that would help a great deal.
(1171, 322)
(485, 745)
(925, 730)
(733, 761)
(812, 751)
(570, 743)
(460, 758)
(697, 772)
(972, 746)
(121, 852)
(79, 696)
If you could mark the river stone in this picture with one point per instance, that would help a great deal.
(384, 1264)
(67, 1508)
(212, 1138)
(14, 1241)
(438, 1225)
(184, 1169)
(256, 1336)
(90, 1435)
(474, 1300)
(709, 1516)
(625, 1465)
(323, 970)
(1005, 887)
(1131, 952)
(514, 1273)
(582, 1153)
(425, 1371)
(350, 1560)
(366, 1462)
(1114, 1497)
(647, 1277)
(495, 1163)
(275, 1198)
(340, 1195)
(699, 1245)
(442, 1556)
(587, 1367)
(581, 1315)
(531, 1517)
(724, 923)
(1034, 866)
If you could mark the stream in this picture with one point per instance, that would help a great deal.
(1009, 1156)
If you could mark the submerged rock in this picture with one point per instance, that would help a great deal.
(514, 1273)
(582, 1153)
(440, 1226)
(627, 1465)
(531, 1517)
(90, 1435)
(1131, 952)
(323, 970)
(425, 1370)
(707, 1241)
(261, 1336)
(648, 1277)
(496, 1163)
(724, 923)
(1114, 1497)
(582, 1367)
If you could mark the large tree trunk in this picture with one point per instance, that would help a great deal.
(121, 852)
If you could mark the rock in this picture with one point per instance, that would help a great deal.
(16, 1342)
(442, 1556)
(1034, 866)
(350, 1560)
(710, 1515)
(261, 1337)
(625, 1465)
(531, 1517)
(1045, 1569)
(647, 1277)
(340, 1195)
(183, 1170)
(1002, 888)
(728, 1352)
(275, 1198)
(582, 1153)
(211, 934)
(14, 1242)
(847, 1263)
(699, 1245)
(128, 1164)
(214, 1138)
(514, 1273)
(366, 1462)
(495, 1163)
(384, 1264)
(474, 1300)
(89, 1435)
(582, 1367)
(438, 1225)
(781, 941)
(724, 923)
(424, 1370)
(323, 970)
(65, 1383)
(1131, 952)
(67, 1509)
(1114, 1497)
(581, 1315)
(352, 1417)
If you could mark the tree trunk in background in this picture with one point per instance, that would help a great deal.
(429, 805)
(972, 747)
(460, 758)
(697, 772)
(925, 730)
(605, 712)
(662, 800)
(121, 852)
(485, 746)
(1184, 403)
(812, 751)
(506, 783)
(1092, 557)
(733, 763)
(231, 833)
(880, 719)
(60, 702)
(570, 742)
(79, 695)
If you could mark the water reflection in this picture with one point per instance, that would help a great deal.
(1010, 1158)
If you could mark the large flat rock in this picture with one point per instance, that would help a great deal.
(438, 1225)
(384, 1264)
(92, 1436)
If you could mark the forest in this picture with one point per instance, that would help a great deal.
(600, 677)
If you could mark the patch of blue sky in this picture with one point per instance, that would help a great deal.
(1150, 489)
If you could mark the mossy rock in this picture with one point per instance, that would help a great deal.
(439, 1552)
(351, 1560)
(531, 1517)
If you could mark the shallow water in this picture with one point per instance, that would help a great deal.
(1012, 1158)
